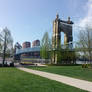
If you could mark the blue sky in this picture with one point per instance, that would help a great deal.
(29, 19)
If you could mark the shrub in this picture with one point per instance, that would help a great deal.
(63, 64)
(85, 65)
(12, 64)
(27, 63)
(0, 65)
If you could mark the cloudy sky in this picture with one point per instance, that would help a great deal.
(29, 19)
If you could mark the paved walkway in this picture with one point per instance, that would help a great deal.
(82, 84)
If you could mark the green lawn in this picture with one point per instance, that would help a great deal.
(72, 71)
(14, 80)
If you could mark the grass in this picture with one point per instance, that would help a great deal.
(71, 71)
(14, 80)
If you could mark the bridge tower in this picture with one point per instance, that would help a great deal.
(58, 27)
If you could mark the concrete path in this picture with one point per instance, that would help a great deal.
(82, 84)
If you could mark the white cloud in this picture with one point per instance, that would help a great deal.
(87, 20)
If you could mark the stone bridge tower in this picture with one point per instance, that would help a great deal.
(58, 27)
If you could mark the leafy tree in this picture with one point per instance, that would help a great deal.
(45, 46)
(7, 42)
(85, 41)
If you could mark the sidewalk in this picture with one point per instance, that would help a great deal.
(82, 84)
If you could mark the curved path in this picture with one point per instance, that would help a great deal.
(82, 84)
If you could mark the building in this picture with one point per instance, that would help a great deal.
(35, 43)
(28, 54)
(28, 51)
(33, 52)
(26, 45)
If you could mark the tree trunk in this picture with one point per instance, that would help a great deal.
(4, 51)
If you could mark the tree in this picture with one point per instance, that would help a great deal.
(45, 46)
(0, 46)
(7, 42)
(85, 42)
